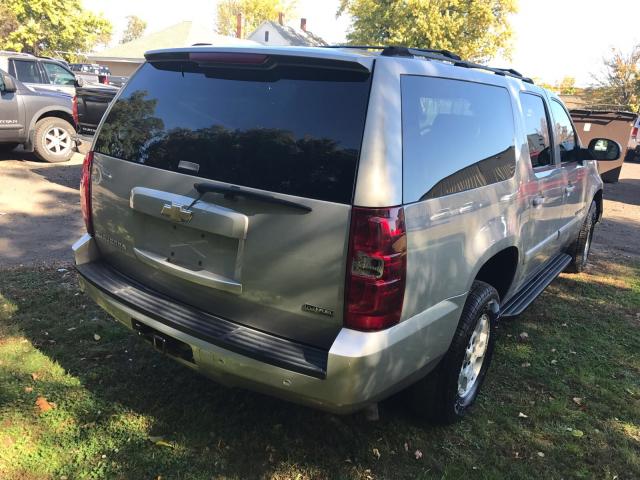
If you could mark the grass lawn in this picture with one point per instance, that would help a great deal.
(565, 403)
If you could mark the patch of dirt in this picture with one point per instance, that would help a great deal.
(40, 214)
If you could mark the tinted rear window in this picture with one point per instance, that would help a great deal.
(288, 129)
(457, 136)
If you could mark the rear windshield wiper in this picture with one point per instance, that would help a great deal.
(234, 192)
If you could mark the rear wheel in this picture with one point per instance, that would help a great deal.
(445, 395)
(582, 246)
(53, 140)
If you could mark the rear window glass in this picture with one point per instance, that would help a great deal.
(288, 129)
(457, 136)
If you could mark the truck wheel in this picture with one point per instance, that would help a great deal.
(444, 396)
(53, 140)
(580, 249)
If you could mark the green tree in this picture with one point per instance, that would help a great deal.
(567, 86)
(8, 21)
(48, 26)
(254, 12)
(135, 28)
(474, 29)
(619, 85)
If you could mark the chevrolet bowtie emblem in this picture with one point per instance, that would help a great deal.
(177, 213)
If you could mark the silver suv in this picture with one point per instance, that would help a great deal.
(332, 225)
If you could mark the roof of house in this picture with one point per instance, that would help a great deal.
(183, 34)
(295, 36)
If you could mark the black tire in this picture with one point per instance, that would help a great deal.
(7, 147)
(44, 149)
(438, 397)
(580, 249)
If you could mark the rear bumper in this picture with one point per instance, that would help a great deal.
(360, 368)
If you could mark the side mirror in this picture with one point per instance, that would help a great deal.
(7, 85)
(79, 82)
(604, 149)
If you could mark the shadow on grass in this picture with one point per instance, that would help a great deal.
(115, 393)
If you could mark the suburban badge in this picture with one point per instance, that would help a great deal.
(313, 309)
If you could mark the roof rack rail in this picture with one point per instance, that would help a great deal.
(418, 52)
(442, 55)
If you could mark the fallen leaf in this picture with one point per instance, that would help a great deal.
(553, 350)
(35, 376)
(418, 454)
(96, 337)
(43, 405)
(28, 389)
(524, 336)
(522, 415)
(577, 400)
(376, 453)
(577, 433)
(541, 454)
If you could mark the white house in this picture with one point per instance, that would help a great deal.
(279, 34)
(124, 59)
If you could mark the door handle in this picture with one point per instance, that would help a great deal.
(537, 201)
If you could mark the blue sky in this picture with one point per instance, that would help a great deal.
(553, 38)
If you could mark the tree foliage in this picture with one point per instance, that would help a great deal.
(135, 29)
(254, 12)
(44, 27)
(620, 83)
(474, 29)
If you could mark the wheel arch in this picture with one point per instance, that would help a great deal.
(58, 114)
(597, 197)
(498, 268)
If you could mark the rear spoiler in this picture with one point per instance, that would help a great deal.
(262, 59)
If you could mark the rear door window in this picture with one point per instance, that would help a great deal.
(58, 75)
(287, 129)
(457, 136)
(27, 71)
(536, 123)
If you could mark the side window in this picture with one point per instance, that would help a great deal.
(27, 71)
(536, 125)
(58, 75)
(457, 136)
(564, 134)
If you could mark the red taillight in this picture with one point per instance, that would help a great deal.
(85, 192)
(377, 267)
(634, 132)
(228, 57)
(74, 110)
(104, 79)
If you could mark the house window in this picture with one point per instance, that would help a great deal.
(266, 35)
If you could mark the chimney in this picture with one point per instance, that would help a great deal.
(303, 24)
(281, 18)
(239, 25)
